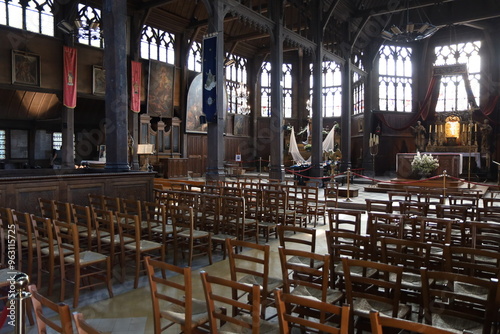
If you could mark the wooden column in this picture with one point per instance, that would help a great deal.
(68, 145)
(114, 14)
(317, 101)
(277, 169)
(345, 121)
(215, 135)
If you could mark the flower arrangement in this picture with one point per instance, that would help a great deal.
(424, 163)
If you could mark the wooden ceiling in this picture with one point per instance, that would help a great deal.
(352, 23)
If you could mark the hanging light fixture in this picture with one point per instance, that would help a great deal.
(410, 31)
(86, 25)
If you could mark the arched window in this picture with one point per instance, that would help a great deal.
(34, 15)
(332, 89)
(236, 84)
(265, 89)
(158, 45)
(194, 57)
(452, 93)
(395, 78)
(358, 96)
(2, 144)
(89, 29)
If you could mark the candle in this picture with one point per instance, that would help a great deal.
(376, 139)
(475, 127)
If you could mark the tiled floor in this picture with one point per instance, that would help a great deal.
(130, 310)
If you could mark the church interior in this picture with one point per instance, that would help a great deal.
(290, 114)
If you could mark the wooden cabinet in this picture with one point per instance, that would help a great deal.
(174, 167)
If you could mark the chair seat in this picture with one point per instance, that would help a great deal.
(355, 270)
(87, 257)
(332, 296)
(272, 283)
(458, 325)
(46, 251)
(177, 313)
(196, 234)
(222, 237)
(169, 229)
(408, 280)
(267, 224)
(363, 307)
(305, 261)
(144, 245)
(264, 326)
(116, 239)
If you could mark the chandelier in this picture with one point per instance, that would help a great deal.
(409, 31)
(87, 24)
(243, 95)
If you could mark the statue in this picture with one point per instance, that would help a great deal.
(307, 129)
(486, 130)
(419, 132)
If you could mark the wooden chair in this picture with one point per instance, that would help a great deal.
(134, 207)
(303, 238)
(245, 316)
(437, 233)
(159, 224)
(306, 280)
(111, 203)
(173, 300)
(85, 266)
(133, 247)
(411, 255)
(24, 229)
(108, 238)
(380, 225)
(187, 239)
(96, 201)
(475, 262)
(253, 202)
(432, 200)
(46, 249)
(315, 207)
(378, 323)
(42, 321)
(485, 235)
(62, 211)
(331, 191)
(274, 212)
(411, 208)
(82, 217)
(350, 245)
(310, 314)
(378, 205)
(380, 292)
(209, 212)
(345, 220)
(459, 302)
(254, 268)
(46, 207)
(82, 327)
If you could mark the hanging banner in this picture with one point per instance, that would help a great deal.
(70, 77)
(135, 86)
(209, 78)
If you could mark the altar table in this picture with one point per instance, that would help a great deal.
(451, 162)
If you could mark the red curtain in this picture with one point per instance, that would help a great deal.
(70, 77)
(135, 86)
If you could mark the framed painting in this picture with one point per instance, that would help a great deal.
(25, 68)
(161, 89)
(239, 123)
(98, 80)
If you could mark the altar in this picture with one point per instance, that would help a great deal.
(451, 162)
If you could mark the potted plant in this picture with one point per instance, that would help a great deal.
(424, 164)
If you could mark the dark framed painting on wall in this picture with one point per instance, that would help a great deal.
(25, 68)
(98, 80)
(161, 89)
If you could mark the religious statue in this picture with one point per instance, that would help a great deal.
(486, 130)
(307, 129)
(419, 132)
(130, 146)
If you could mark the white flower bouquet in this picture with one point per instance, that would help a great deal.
(424, 164)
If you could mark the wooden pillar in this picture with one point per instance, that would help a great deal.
(215, 134)
(68, 145)
(114, 15)
(317, 101)
(277, 169)
(345, 121)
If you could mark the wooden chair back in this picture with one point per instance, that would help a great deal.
(24, 231)
(213, 287)
(310, 314)
(378, 323)
(45, 242)
(345, 220)
(43, 321)
(173, 297)
(485, 235)
(82, 326)
(297, 237)
(62, 211)
(82, 217)
(475, 262)
(46, 207)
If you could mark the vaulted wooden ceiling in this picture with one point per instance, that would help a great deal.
(352, 23)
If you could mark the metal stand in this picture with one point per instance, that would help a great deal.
(21, 282)
(348, 199)
(373, 153)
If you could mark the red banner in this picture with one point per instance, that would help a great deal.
(70, 77)
(135, 87)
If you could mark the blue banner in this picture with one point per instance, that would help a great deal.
(209, 78)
